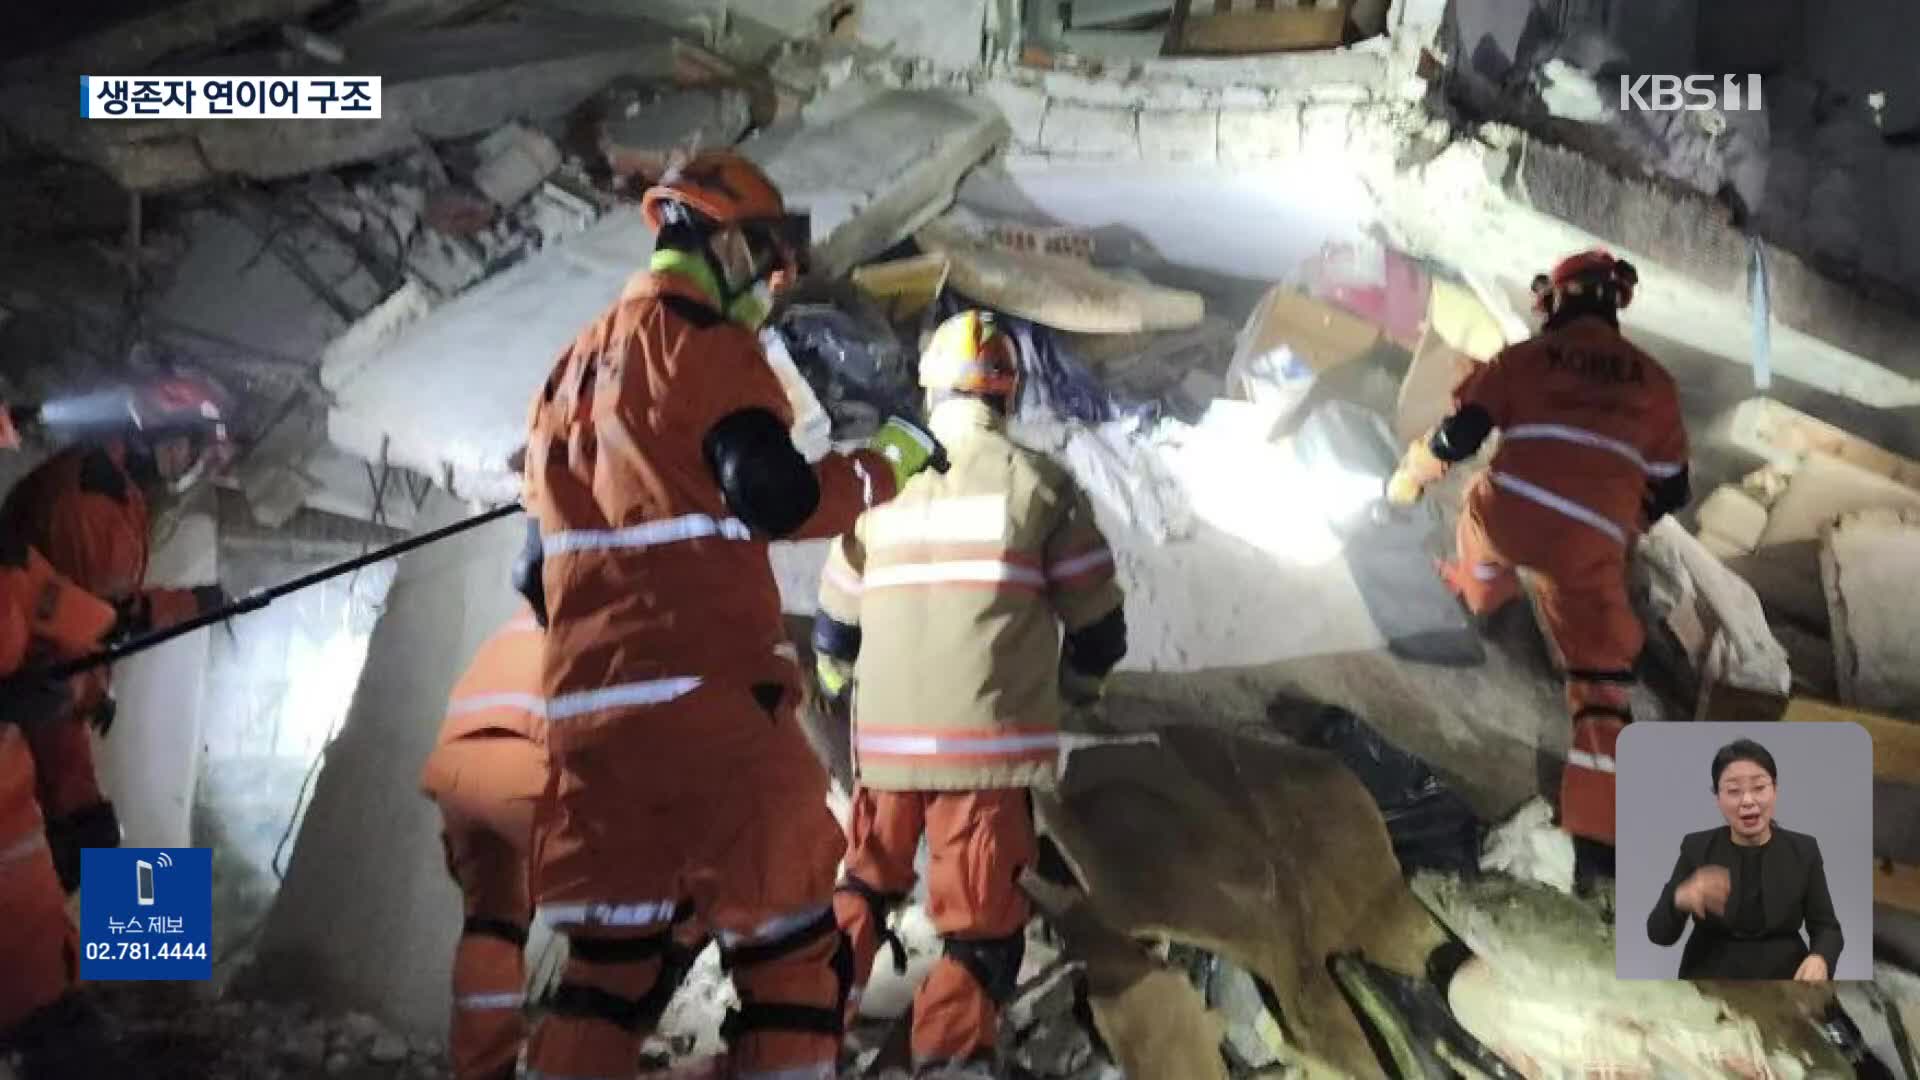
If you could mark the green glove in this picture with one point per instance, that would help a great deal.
(909, 448)
(835, 676)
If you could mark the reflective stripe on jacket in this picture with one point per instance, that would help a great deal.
(1586, 421)
(961, 588)
(652, 585)
(499, 694)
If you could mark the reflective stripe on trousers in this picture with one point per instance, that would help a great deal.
(477, 1002)
(1583, 437)
(773, 929)
(647, 534)
(1590, 761)
(1560, 503)
(626, 915)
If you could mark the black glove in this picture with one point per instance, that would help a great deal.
(134, 617)
(102, 717)
(27, 701)
(210, 598)
(528, 568)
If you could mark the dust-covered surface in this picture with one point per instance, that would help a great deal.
(1542, 990)
(1870, 564)
(175, 1032)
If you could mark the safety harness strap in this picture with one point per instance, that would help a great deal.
(761, 952)
(1600, 675)
(993, 962)
(768, 1016)
(880, 904)
(506, 930)
(630, 950)
(637, 1015)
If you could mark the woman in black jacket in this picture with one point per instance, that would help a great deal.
(1748, 886)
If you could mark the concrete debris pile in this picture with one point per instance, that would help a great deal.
(178, 1036)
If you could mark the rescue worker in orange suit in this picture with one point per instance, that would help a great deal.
(659, 465)
(86, 510)
(943, 611)
(486, 773)
(1592, 452)
(43, 618)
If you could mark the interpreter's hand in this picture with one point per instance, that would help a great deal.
(1704, 892)
(1812, 969)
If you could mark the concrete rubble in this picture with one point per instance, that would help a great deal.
(514, 161)
(437, 84)
(638, 137)
(180, 1035)
(1712, 614)
(1870, 566)
(464, 241)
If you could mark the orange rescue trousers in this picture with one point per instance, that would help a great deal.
(487, 786)
(977, 844)
(39, 945)
(707, 813)
(1580, 586)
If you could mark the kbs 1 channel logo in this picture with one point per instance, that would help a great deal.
(1692, 93)
(146, 913)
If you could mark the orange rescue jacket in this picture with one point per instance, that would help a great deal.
(499, 694)
(1586, 422)
(652, 585)
(87, 515)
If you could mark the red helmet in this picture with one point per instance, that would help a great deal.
(1595, 272)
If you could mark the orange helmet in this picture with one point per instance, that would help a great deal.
(719, 186)
(970, 354)
(1594, 273)
(720, 189)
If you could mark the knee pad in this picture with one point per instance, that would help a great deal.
(638, 1015)
(880, 905)
(768, 1015)
(90, 826)
(993, 962)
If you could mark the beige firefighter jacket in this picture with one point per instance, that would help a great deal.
(961, 588)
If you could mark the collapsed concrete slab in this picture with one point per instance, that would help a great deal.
(449, 398)
(1509, 206)
(331, 939)
(437, 84)
(132, 44)
(874, 174)
(1870, 566)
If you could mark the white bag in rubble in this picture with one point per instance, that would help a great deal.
(1276, 379)
(1529, 847)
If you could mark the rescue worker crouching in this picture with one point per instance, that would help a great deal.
(87, 510)
(486, 773)
(659, 465)
(1592, 451)
(42, 1018)
(943, 611)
